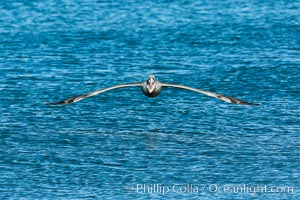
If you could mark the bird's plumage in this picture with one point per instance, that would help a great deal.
(152, 88)
(211, 94)
(83, 96)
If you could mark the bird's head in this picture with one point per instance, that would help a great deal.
(150, 83)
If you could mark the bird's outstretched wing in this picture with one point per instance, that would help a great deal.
(83, 96)
(211, 94)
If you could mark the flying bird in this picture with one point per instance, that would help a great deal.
(152, 88)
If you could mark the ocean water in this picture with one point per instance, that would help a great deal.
(123, 145)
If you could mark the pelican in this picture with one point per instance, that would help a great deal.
(152, 88)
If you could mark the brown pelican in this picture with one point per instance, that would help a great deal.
(152, 88)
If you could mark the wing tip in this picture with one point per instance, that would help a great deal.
(250, 104)
(54, 103)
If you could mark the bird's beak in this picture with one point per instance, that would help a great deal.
(150, 85)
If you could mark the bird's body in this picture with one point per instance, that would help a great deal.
(152, 88)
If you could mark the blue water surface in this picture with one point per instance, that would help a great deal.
(123, 145)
